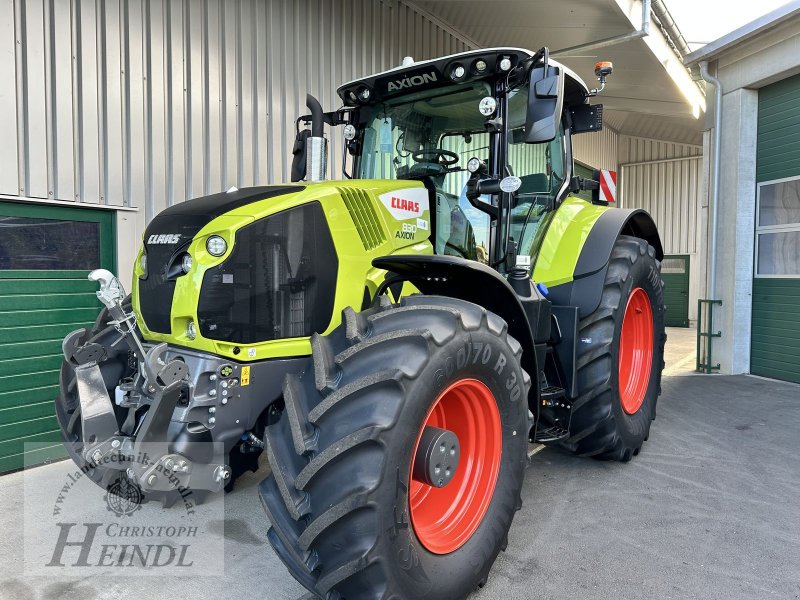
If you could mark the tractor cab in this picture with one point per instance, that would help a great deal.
(487, 132)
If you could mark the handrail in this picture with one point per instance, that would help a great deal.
(703, 362)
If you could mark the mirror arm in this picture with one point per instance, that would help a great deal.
(476, 188)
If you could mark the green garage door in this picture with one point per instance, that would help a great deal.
(46, 253)
(675, 273)
(775, 349)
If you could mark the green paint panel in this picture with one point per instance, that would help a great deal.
(38, 308)
(28, 411)
(32, 395)
(34, 457)
(25, 318)
(28, 427)
(45, 285)
(16, 447)
(44, 301)
(675, 273)
(17, 383)
(26, 349)
(778, 153)
(37, 364)
(775, 350)
(40, 332)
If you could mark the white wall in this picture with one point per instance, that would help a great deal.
(742, 69)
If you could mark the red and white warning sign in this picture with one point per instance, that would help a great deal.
(608, 186)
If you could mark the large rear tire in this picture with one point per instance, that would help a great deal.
(620, 357)
(348, 519)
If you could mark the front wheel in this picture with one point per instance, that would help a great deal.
(398, 464)
(620, 357)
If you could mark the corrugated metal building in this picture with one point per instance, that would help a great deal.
(113, 111)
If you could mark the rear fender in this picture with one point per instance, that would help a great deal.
(586, 287)
(475, 282)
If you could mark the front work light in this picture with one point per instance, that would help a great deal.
(186, 263)
(191, 330)
(216, 245)
(143, 264)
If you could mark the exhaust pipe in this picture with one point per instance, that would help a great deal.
(316, 144)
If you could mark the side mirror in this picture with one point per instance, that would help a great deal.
(545, 103)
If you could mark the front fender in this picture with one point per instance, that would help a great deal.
(474, 282)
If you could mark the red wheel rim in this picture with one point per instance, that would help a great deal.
(445, 518)
(635, 351)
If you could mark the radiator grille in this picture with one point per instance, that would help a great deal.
(366, 220)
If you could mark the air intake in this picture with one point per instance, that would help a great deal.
(366, 220)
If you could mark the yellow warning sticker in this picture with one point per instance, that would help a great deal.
(245, 378)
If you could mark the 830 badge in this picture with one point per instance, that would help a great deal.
(407, 232)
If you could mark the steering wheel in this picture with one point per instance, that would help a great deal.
(439, 156)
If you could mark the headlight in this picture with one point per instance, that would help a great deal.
(191, 331)
(186, 263)
(216, 246)
(474, 164)
(143, 264)
(457, 72)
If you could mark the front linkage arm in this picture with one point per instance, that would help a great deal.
(159, 385)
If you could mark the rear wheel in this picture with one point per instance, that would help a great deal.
(620, 357)
(398, 463)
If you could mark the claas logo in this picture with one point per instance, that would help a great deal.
(404, 204)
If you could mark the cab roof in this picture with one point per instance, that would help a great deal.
(437, 72)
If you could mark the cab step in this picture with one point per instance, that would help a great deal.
(549, 435)
(553, 396)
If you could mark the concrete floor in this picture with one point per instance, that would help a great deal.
(708, 510)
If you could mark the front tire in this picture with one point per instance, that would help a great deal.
(620, 357)
(348, 519)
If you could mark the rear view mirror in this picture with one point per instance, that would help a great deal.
(545, 103)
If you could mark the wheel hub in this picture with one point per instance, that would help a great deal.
(466, 420)
(636, 351)
(436, 459)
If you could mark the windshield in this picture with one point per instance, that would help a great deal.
(432, 135)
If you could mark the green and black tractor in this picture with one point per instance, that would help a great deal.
(393, 340)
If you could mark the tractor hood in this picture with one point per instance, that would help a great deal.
(177, 225)
(251, 274)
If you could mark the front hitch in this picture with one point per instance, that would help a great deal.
(143, 453)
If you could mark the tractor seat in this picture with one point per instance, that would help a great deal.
(537, 183)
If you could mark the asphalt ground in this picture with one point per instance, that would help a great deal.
(710, 509)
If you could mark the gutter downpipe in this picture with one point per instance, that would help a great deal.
(714, 174)
(643, 31)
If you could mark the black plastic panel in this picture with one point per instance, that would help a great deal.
(157, 289)
(279, 281)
